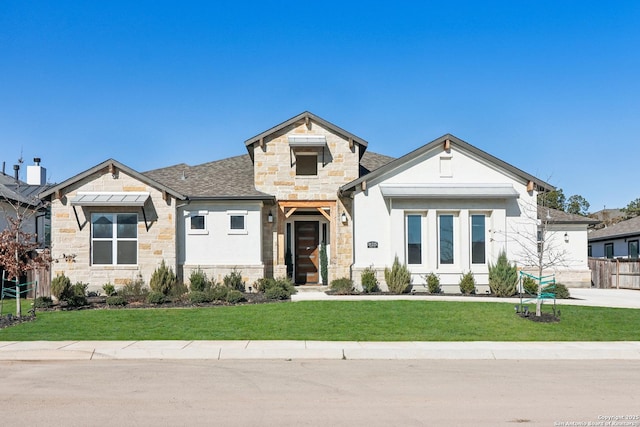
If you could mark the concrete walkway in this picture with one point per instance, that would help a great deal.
(286, 350)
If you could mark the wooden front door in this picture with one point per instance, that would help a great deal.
(306, 252)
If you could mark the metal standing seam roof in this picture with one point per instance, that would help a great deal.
(450, 191)
(109, 199)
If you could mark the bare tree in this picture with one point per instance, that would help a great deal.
(18, 248)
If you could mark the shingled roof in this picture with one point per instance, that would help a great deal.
(560, 217)
(230, 178)
(630, 227)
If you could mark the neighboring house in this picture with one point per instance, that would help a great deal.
(566, 237)
(447, 207)
(616, 241)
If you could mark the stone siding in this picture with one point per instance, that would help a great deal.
(74, 242)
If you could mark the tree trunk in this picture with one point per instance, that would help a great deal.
(18, 307)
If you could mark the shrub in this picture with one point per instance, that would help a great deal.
(278, 289)
(163, 279)
(503, 277)
(179, 291)
(530, 286)
(78, 296)
(234, 296)
(234, 280)
(198, 281)
(219, 293)
(324, 263)
(560, 290)
(468, 284)
(342, 286)
(398, 277)
(369, 280)
(433, 283)
(262, 284)
(200, 297)
(61, 287)
(116, 301)
(134, 290)
(155, 297)
(109, 289)
(43, 302)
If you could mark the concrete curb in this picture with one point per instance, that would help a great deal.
(319, 350)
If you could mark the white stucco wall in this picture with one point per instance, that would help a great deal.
(218, 249)
(382, 220)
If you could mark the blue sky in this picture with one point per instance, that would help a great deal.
(552, 87)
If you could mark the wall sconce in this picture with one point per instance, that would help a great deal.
(343, 218)
(270, 217)
(566, 237)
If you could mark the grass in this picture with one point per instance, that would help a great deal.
(8, 306)
(332, 321)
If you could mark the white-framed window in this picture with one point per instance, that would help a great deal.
(306, 164)
(446, 238)
(237, 222)
(114, 238)
(197, 223)
(478, 238)
(413, 236)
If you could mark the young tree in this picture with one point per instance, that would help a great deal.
(18, 253)
(553, 199)
(578, 205)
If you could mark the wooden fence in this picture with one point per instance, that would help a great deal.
(615, 273)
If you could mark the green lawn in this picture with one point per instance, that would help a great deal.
(332, 321)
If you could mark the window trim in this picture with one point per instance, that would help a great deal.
(237, 213)
(454, 235)
(485, 239)
(114, 239)
(421, 216)
(196, 231)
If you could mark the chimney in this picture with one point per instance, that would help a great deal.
(16, 172)
(36, 174)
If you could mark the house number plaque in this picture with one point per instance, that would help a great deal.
(372, 244)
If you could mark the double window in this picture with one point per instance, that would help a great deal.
(114, 238)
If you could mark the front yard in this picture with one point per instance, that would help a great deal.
(331, 321)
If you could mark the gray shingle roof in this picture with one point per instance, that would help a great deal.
(560, 217)
(372, 161)
(629, 227)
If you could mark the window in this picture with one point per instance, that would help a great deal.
(608, 250)
(114, 239)
(589, 251)
(197, 222)
(446, 239)
(632, 245)
(414, 239)
(478, 239)
(306, 164)
(237, 222)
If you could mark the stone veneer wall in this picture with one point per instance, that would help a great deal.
(154, 245)
(275, 174)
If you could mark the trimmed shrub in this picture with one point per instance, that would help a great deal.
(503, 277)
(155, 297)
(433, 283)
(234, 280)
(198, 281)
(560, 290)
(468, 283)
(234, 296)
(78, 296)
(262, 284)
(219, 293)
(278, 289)
(342, 286)
(61, 287)
(163, 279)
(529, 285)
(109, 289)
(369, 281)
(200, 297)
(43, 302)
(134, 290)
(116, 301)
(398, 278)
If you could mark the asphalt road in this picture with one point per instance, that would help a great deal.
(323, 393)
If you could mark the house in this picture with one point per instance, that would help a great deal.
(616, 241)
(447, 207)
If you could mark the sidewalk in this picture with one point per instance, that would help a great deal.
(338, 350)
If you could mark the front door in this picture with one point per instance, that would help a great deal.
(306, 252)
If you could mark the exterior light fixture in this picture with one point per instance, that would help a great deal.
(343, 218)
(566, 237)
(270, 217)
